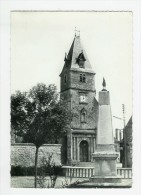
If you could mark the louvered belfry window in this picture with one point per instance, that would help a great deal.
(82, 78)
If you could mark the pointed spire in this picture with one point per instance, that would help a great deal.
(76, 52)
(104, 85)
(65, 58)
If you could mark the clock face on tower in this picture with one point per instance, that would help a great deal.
(83, 98)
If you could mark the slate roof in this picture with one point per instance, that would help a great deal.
(76, 50)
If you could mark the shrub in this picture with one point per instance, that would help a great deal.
(30, 171)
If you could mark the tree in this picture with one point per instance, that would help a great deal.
(38, 116)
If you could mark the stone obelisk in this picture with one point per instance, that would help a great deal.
(105, 156)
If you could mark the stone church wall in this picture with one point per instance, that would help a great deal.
(24, 154)
(91, 108)
(76, 84)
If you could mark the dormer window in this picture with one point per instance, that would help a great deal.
(81, 64)
(82, 78)
(81, 60)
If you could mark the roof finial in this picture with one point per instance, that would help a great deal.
(104, 85)
(77, 32)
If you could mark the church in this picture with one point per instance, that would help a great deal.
(77, 91)
(89, 141)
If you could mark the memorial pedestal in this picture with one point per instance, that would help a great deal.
(105, 168)
(105, 156)
(105, 164)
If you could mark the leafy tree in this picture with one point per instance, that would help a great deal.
(38, 116)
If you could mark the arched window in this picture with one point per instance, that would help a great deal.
(84, 151)
(83, 116)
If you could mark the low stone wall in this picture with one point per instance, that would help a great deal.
(24, 154)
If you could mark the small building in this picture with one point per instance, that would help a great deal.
(128, 144)
(118, 139)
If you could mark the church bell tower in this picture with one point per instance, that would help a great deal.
(77, 91)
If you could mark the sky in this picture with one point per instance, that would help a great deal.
(39, 41)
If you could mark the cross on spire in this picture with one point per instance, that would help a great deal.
(77, 32)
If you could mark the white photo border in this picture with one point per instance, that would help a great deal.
(5, 8)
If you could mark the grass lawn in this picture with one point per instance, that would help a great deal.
(28, 182)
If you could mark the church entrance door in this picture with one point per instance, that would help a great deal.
(84, 151)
